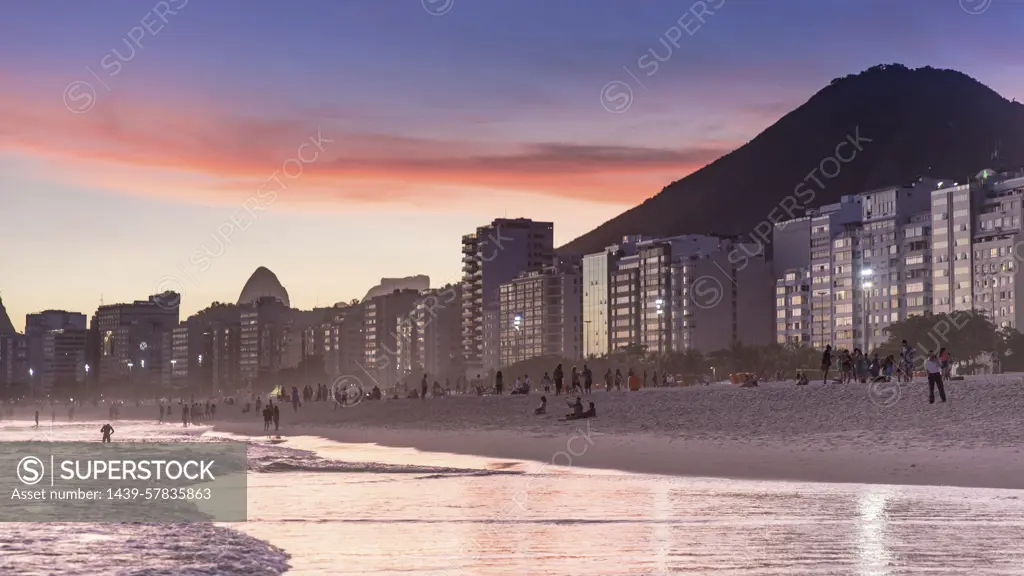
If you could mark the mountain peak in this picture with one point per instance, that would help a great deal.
(6, 326)
(905, 122)
(261, 284)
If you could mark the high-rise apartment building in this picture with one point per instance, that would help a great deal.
(870, 265)
(271, 337)
(493, 255)
(386, 341)
(438, 332)
(687, 292)
(976, 246)
(540, 314)
(63, 362)
(14, 376)
(131, 339)
(598, 272)
(37, 325)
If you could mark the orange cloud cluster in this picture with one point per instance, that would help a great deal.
(132, 147)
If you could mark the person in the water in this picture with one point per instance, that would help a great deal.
(107, 430)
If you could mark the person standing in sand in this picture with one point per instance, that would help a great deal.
(559, 380)
(499, 382)
(546, 382)
(826, 363)
(276, 415)
(588, 379)
(423, 387)
(934, 369)
(906, 361)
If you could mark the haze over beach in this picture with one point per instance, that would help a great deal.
(439, 287)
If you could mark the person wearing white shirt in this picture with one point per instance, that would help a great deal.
(934, 369)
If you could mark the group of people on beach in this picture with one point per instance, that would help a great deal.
(855, 366)
(577, 409)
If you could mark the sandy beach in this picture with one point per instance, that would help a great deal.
(827, 433)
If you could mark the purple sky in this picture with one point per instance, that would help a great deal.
(134, 135)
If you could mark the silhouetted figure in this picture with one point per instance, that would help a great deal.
(559, 380)
(107, 430)
(184, 416)
(826, 363)
(577, 409)
(588, 379)
(37, 418)
(934, 368)
(499, 382)
(543, 408)
(277, 418)
(423, 388)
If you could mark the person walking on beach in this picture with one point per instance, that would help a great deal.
(906, 361)
(161, 420)
(588, 379)
(574, 380)
(934, 369)
(276, 415)
(295, 399)
(423, 387)
(499, 382)
(945, 361)
(559, 380)
(618, 379)
(546, 382)
(826, 363)
(608, 380)
(37, 418)
(184, 416)
(107, 430)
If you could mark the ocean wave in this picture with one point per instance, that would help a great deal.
(269, 459)
(136, 549)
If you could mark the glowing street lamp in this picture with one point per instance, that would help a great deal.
(867, 284)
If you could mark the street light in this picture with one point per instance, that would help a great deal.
(866, 285)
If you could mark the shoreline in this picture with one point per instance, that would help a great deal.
(999, 468)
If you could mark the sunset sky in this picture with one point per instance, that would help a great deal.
(122, 162)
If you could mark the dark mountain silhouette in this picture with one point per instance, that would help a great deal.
(920, 122)
(6, 327)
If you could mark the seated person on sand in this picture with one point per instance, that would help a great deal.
(801, 379)
(543, 408)
(749, 381)
(591, 412)
(577, 409)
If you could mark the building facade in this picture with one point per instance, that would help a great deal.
(686, 292)
(496, 254)
(63, 362)
(385, 338)
(131, 340)
(876, 258)
(438, 325)
(540, 314)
